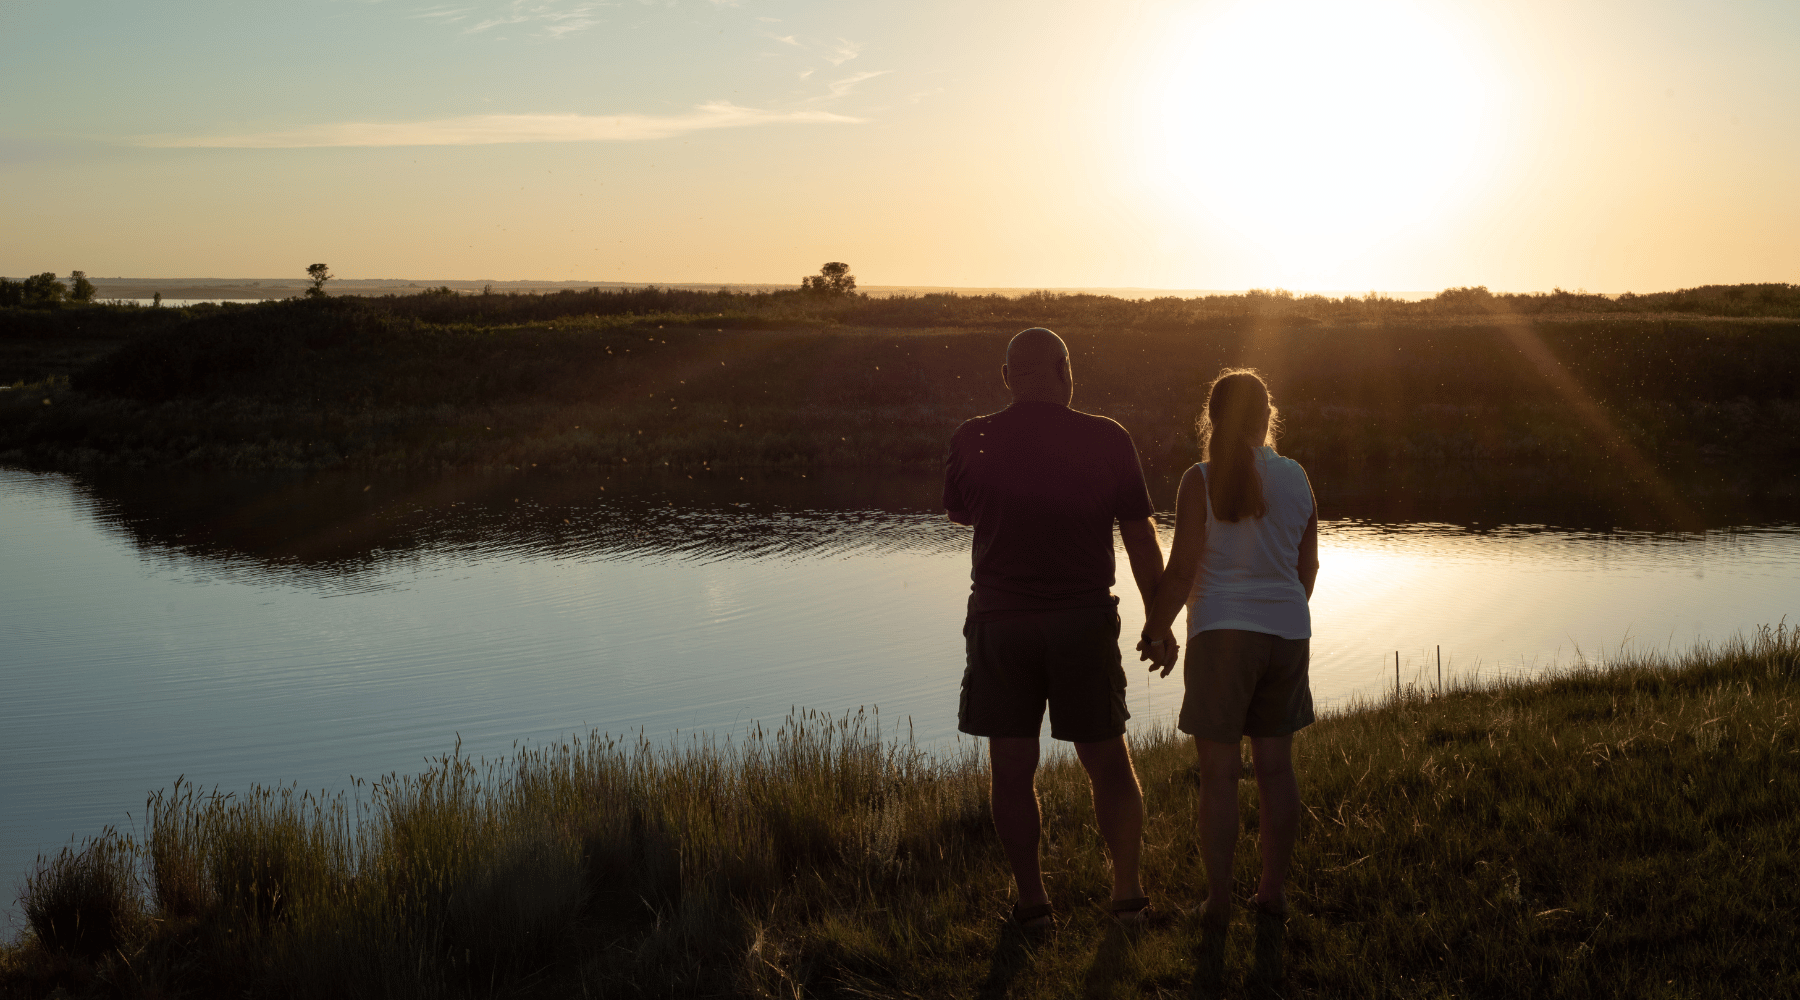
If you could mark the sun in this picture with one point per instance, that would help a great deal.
(1318, 129)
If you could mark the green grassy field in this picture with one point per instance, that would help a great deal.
(686, 380)
(1619, 830)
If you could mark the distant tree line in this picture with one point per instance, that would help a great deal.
(42, 291)
(724, 309)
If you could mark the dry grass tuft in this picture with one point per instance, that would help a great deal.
(85, 901)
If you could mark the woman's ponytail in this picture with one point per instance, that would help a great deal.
(1236, 408)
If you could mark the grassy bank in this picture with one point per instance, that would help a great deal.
(606, 380)
(1626, 831)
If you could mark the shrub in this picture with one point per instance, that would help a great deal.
(220, 349)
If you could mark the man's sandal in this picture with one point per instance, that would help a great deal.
(1136, 913)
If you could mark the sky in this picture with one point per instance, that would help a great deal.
(1350, 145)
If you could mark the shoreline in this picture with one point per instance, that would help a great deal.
(1597, 833)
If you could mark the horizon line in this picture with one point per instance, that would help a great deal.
(919, 287)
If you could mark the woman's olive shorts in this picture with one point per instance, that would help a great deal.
(1242, 683)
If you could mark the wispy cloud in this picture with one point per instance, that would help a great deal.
(554, 17)
(559, 17)
(838, 88)
(787, 39)
(450, 13)
(482, 130)
(844, 51)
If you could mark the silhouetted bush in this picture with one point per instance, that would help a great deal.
(98, 321)
(274, 346)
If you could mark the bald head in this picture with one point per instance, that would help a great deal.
(1037, 367)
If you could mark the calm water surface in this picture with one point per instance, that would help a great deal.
(236, 630)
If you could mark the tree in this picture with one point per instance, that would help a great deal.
(83, 290)
(44, 290)
(833, 278)
(319, 274)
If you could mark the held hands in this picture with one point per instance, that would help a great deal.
(1160, 648)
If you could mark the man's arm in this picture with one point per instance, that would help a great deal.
(1147, 569)
(1146, 556)
(1184, 564)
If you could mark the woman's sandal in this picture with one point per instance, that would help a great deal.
(1034, 920)
(1271, 939)
(1213, 916)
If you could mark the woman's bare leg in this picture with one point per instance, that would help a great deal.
(1220, 767)
(1278, 814)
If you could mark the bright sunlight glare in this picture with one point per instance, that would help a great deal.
(1317, 128)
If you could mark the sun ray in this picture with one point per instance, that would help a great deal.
(1593, 415)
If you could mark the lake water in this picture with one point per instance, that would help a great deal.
(237, 630)
(168, 303)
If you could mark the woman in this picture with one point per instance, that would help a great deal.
(1245, 555)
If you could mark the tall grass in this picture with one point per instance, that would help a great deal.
(1618, 830)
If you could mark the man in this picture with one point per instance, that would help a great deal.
(1042, 484)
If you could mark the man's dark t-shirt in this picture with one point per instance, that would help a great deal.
(1042, 484)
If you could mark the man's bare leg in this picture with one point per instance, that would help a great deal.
(1118, 810)
(1278, 814)
(1220, 767)
(1014, 763)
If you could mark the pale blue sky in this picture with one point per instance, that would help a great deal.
(1394, 145)
(183, 67)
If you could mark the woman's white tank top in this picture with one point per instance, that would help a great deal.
(1249, 578)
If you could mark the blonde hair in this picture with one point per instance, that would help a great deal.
(1236, 402)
